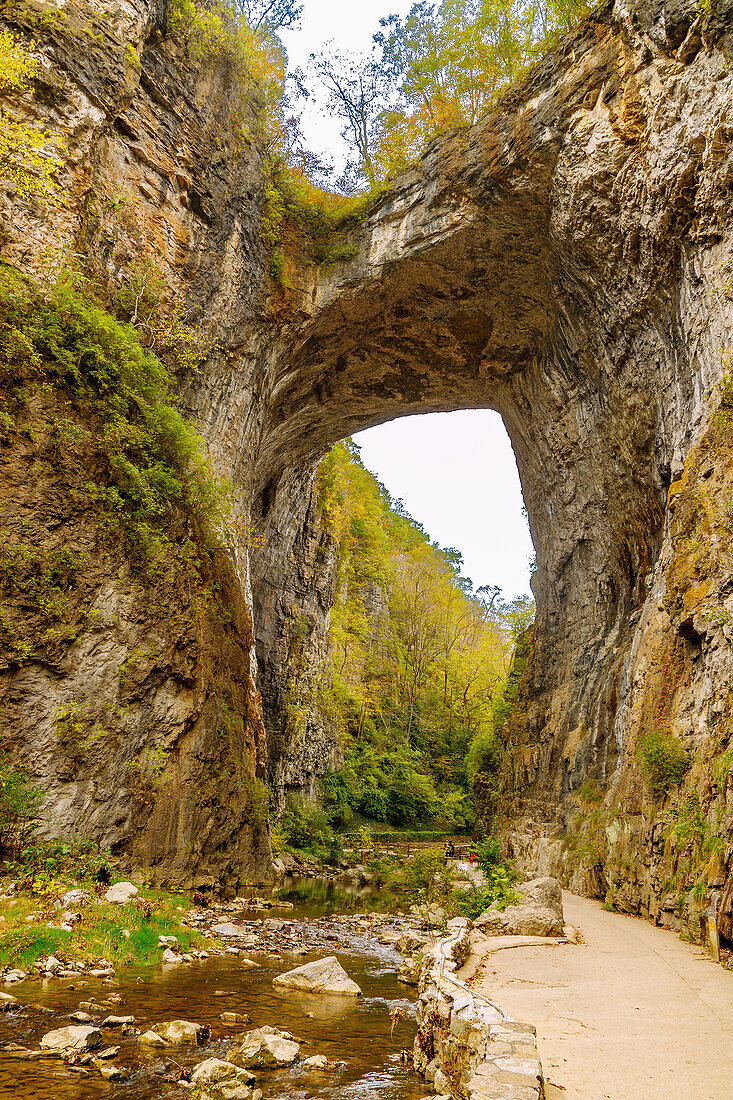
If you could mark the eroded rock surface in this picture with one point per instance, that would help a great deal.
(75, 1038)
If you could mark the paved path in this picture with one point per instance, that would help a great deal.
(634, 1014)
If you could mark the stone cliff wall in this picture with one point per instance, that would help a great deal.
(145, 725)
(564, 262)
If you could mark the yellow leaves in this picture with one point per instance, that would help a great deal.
(16, 65)
(451, 61)
(29, 157)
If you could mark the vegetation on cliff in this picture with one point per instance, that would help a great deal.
(29, 158)
(421, 670)
(111, 509)
(60, 345)
(440, 66)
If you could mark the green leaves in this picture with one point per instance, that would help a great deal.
(20, 804)
(420, 664)
(154, 459)
(663, 760)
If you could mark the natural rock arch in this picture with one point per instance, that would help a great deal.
(560, 262)
(553, 263)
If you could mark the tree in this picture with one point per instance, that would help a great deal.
(356, 90)
(271, 15)
(29, 158)
(20, 804)
(419, 661)
(441, 65)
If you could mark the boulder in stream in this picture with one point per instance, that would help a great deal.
(266, 1046)
(13, 976)
(322, 976)
(410, 971)
(152, 1039)
(216, 1079)
(318, 1061)
(178, 1031)
(81, 1038)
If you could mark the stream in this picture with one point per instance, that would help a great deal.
(353, 1032)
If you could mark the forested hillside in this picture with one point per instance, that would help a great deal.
(420, 662)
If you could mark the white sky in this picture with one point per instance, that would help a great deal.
(455, 472)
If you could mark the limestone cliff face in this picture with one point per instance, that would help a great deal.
(145, 723)
(562, 262)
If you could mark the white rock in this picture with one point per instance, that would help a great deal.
(178, 1031)
(74, 897)
(214, 1070)
(108, 1052)
(52, 964)
(118, 1021)
(83, 1037)
(317, 1061)
(120, 893)
(265, 1047)
(152, 1039)
(322, 976)
(111, 1073)
(170, 956)
(216, 1079)
(14, 976)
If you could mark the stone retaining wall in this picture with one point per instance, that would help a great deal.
(465, 1045)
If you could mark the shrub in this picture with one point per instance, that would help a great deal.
(77, 858)
(20, 804)
(500, 879)
(153, 458)
(304, 825)
(421, 877)
(589, 792)
(663, 760)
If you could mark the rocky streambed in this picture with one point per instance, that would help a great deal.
(297, 1044)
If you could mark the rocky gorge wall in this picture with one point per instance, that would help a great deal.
(563, 262)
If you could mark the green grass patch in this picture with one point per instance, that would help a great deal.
(23, 946)
(125, 935)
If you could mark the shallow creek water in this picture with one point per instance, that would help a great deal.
(352, 1031)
